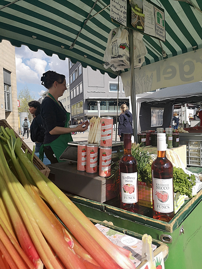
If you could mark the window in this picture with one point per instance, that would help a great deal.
(77, 108)
(81, 87)
(113, 87)
(7, 90)
(112, 105)
(72, 94)
(70, 79)
(103, 105)
(92, 105)
(76, 73)
(73, 77)
(77, 89)
(80, 69)
(75, 92)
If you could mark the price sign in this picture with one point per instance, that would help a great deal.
(118, 11)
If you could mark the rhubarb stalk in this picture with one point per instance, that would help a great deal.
(109, 247)
(92, 247)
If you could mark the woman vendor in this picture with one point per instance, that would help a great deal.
(56, 118)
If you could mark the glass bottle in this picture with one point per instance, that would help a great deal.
(128, 178)
(162, 183)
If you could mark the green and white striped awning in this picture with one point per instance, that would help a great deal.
(55, 25)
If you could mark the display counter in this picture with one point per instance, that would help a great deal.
(182, 234)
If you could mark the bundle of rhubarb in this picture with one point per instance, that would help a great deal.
(39, 226)
(95, 131)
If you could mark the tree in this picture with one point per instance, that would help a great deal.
(25, 97)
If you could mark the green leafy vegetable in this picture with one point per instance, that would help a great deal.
(183, 183)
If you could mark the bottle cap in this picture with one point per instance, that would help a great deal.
(161, 142)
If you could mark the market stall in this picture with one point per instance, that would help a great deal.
(80, 33)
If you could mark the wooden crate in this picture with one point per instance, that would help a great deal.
(37, 162)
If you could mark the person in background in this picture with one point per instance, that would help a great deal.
(25, 127)
(175, 121)
(55, 118)
(36, 127)
(196, 116)
(125, 122)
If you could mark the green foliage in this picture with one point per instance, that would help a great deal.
(145, 174)
(25, 97)
(143, 162)
(183, 183)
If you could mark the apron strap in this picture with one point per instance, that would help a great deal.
(41, 152)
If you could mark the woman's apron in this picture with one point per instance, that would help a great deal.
(60, 144)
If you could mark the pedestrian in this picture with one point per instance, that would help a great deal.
(36, 127)
(175, 121)
(196, 116)
(55, 118)
(25, 127)
(125, 122)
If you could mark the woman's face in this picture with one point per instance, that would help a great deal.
(61, 87)
(32, 110)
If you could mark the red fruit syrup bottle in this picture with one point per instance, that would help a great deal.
(162, 183)
(128, 178)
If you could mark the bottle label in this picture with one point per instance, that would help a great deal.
(163, 195)
(129, 193)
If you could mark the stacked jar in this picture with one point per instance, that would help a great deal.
(176, 140)
(106, 147)
(81, 157)
(92, 158)
(142, 139)
(148, 137)
(169, 137)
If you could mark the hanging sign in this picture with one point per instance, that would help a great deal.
(18, 103)
(174, 71)
(118, 11)
(148, 18)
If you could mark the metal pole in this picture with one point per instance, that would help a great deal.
(117, 109)
(132, 82)
(98, 108)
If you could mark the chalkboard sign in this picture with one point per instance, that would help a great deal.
(118, 11)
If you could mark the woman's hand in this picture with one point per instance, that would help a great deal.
(80, 127)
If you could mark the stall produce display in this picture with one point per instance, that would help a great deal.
(95, 131)
(32, 233)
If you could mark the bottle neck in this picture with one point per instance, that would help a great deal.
(127, 151)
(161, 154)
(127, 144)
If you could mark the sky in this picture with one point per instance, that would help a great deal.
(31, 65)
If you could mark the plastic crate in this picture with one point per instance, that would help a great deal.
(37, 162)
(194, 153)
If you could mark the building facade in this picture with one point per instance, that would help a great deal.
(65, 99)
(8, 85)
(92, 92)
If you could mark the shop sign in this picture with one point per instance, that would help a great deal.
(174, 71)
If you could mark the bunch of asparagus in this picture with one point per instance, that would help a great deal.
(95, 131)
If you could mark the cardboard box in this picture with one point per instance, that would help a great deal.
(37, 162)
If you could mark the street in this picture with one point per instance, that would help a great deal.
(76, 137)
